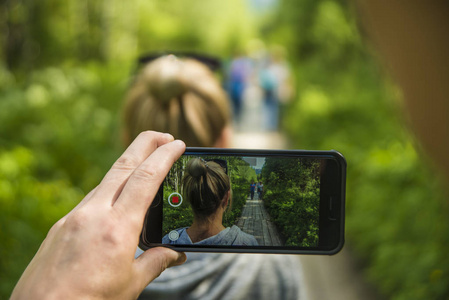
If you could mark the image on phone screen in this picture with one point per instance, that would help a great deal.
(258, 192)
(266, 202)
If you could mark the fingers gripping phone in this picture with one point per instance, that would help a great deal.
(250, 201)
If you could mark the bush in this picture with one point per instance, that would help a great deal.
(29, 208)
(397, 214)
(292, 193)
(58, 138)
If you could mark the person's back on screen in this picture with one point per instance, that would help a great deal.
(182, 97)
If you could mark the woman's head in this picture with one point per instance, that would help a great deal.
(178, 96)
(206, 187)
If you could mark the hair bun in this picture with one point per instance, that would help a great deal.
(165, 80)
(196, 168)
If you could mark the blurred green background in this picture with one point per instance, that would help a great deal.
(64, 68)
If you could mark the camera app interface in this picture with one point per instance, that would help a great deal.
(242, 201)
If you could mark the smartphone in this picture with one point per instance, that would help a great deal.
(280, 201)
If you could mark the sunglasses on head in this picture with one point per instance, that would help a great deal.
(221, 162)
(213, 63)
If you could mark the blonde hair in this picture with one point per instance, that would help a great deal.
(178, 96)
(204, 186)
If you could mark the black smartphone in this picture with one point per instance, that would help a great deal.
(279, 201)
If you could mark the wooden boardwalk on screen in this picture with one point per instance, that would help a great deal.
(255, 220)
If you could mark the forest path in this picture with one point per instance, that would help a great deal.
(255, 220)
(336, 277)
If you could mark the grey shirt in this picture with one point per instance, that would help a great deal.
(228, 236)
(229, 276)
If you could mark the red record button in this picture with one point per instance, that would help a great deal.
(175, 199)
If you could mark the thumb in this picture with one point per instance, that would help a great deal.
(151, 263)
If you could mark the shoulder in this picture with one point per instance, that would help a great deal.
(181, 238)
(242, 238)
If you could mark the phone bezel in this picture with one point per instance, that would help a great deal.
(332, 206)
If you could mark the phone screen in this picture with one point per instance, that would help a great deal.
(277, 200)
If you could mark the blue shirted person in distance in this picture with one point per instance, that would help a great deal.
(252, 189)
(207, 188)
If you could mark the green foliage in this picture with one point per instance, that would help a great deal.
(178, 217)
(63, 72)
(58, 138)
(397, 214)
(181, 216)
(65, 117)
(42, 33)
(292, 193)
(29, 207)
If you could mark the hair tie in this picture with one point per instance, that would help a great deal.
(205, 162)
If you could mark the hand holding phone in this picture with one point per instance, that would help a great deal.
(230, 200)
(95, 242)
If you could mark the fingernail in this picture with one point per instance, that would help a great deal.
(181, 143)
(181, 259)
(169, 136)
